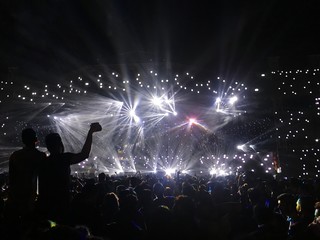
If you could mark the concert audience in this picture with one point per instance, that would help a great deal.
(150, 206)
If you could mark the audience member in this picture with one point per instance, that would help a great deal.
(23, 171)
(54, 177)
(150, 206)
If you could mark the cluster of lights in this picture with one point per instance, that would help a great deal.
(214, 165)
(297, 82)
(149, 115)
(297, 118)
(309, 159)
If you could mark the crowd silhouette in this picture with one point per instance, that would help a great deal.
(147, 206)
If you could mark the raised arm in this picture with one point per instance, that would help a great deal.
(84, 154)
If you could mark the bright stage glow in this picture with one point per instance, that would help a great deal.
(142, 129)
(132, 113)
(218, 172)
(192, 121)
(157, 101)
(170, 171)
(233, 100)
(241, 147)
(134, 116)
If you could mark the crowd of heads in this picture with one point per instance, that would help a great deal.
(153, 206)
(150, 205)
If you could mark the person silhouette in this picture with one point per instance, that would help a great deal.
(54, 175)
(23, 171)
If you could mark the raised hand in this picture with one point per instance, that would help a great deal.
(95, 127)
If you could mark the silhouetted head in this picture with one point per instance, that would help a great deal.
(286, 204)
(305, 206)
(29, 136)
(54, 143)
(110, 202)
(317, 209)
(158, 189)
(262, 214)
(183, 207)
(102, 177)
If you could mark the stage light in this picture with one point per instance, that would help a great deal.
(241, 147)
(213, 171)
(132, 113)
(233, 100)
(157, 101)
(218, 172)
(168, 101)
(170, 171)
(192, 121)
(222, 172)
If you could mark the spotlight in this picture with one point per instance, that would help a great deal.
(218, 172)
(240, 147)
(168, 101)
(233, 100)
(157, 101)
(213, 171)
(132, 113)
(192, 121)
(170, 171)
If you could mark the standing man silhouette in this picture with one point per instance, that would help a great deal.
(23, 171)
(54, 177)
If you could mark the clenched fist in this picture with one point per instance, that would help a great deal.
(95, 127)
